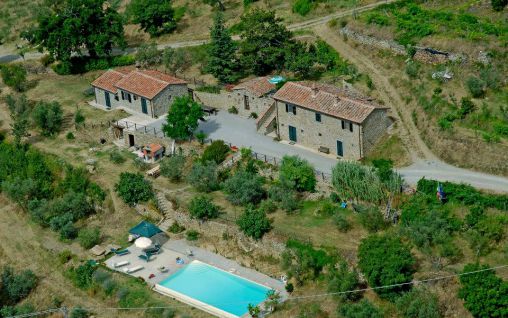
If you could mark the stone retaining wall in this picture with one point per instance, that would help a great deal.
(269, 244)
(423, 54)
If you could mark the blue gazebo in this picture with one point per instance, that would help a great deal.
(145, 229)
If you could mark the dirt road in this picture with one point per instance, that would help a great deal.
(425, 163)
(7, 57)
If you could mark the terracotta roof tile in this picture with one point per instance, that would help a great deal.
(328, 99)
(108, 80)
(145, 83)
(259, 86)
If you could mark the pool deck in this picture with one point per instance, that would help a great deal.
(179, 248)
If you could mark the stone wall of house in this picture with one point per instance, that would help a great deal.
(222, 101)
(225, 100)
(314, 134)
(423, 54)
(161, 102)
(142, 138)
(100, 98)
(373, 128)
(256, 104)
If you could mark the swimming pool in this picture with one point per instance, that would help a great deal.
(213, 290)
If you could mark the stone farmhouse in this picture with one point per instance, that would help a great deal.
(253, 96)
(143, 91)
(328, 119)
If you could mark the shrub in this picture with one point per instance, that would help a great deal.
(385, 260)
(297, 174)
(341, 222)
(372, 219)
(68, 231)
(201, 137)
(70, 136)
(82, 275)
(122, 60)
(232, 110)
(217, 152)
(172, 167)
(253, 115)
(116, 157)
(134, 188)
(78, 312)
(466, 107)
(15, 287)
(204, 176)
(148, 55)
(202, 207)
(418, 303)
(14, 75)
(65, 256)
(484, 293)
(335, 198)
(498, 5)
(268, 206)
(340, 279)
(412, 70)
(192, 235)
(244, 188)
(79, 118)
(286, 198)
(48, 116)
(254, 223)
(289, 287)
(361, 309)
(302, 7)
(89, 237)
(476, 87)
(176, 228)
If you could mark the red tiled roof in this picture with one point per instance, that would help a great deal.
(259, 86)
(145, 83)
(328, 99)
(108, 80)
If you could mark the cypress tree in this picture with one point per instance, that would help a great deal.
(222, 62)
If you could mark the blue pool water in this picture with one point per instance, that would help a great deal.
(216, 288)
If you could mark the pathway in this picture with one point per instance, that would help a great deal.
(13, 56)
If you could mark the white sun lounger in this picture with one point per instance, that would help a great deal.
(133, 269)
(120, 264)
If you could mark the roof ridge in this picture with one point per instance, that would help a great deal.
(358, 101)
(151, 77)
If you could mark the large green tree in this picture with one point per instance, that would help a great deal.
(264, 39)
(297, 174)
(155, 17)
(14, 75)
(182, 118)
(386, 260)
(254, 223)
(134, 188)
(67, 26)
(19, 111)
(222, 60)
(48, 116)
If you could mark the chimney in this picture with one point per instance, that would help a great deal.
(315, 91)
(336, 101)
